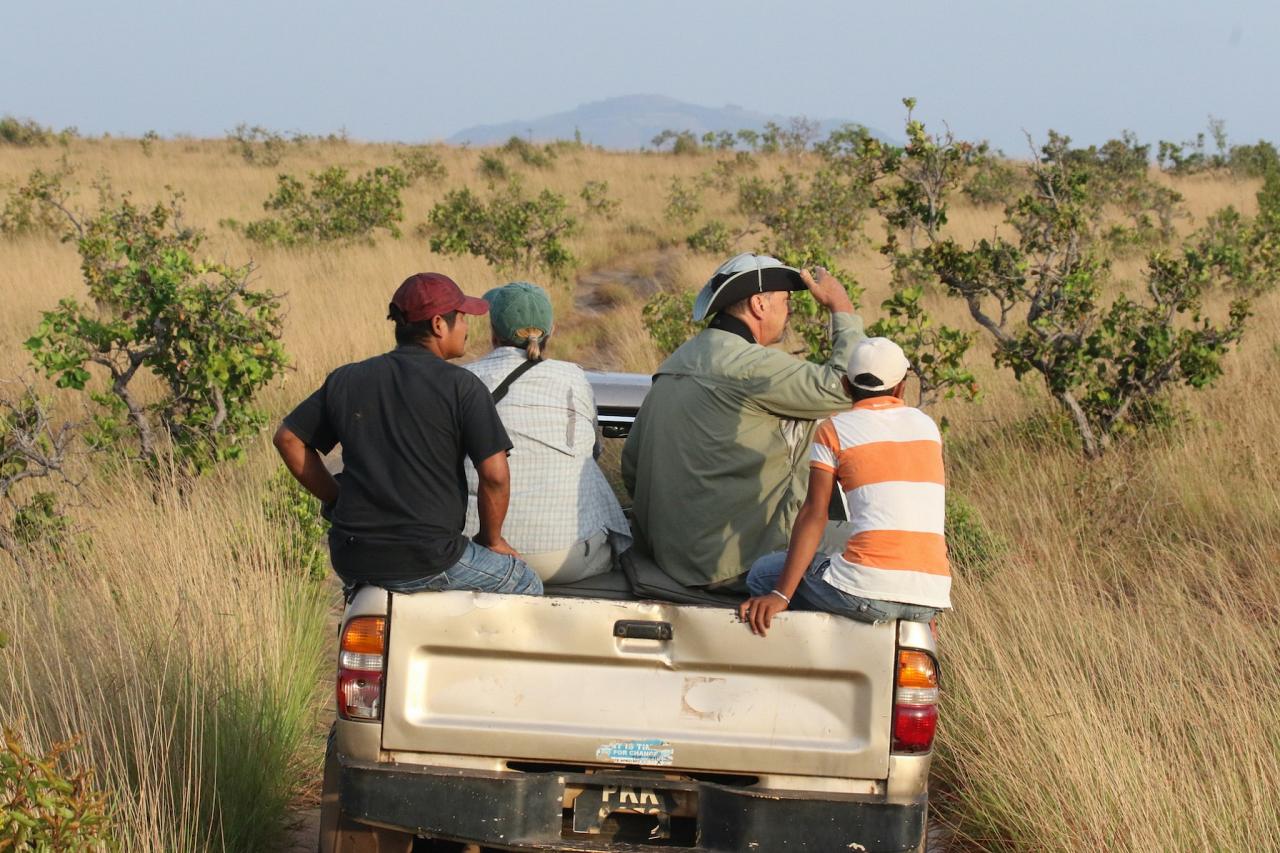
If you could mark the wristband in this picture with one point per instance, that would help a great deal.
(781, 595)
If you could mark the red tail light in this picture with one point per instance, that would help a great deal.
(360, 662)
(915, 705)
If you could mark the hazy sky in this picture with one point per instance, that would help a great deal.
(423, 70)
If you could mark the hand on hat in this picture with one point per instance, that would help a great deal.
(827, 291)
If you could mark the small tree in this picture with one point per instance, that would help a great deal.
(595, 197)
(334, 208)
(936, 352)
(39, 205)
(684, 202)
(1039, 296)
(419, 162)
(209, 340)
(511, 230)
(257, 145)
(32, 448)
(668, 319)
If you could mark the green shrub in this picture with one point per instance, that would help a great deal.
(294, 515)
(595, 195)
(37, 207)
(335, 208)
(668, 319)
(714, 238)
(257, 145)
(682, 142)
(511, 230)
(210, 342)
(420, 162)
(148, 141)
(971, 546)
(1253, 161)
(32, 449)
(44, 805)
(936, 352)
(27, 133)
(994, 181)
(683, 203)
(528, 153)
(493, 168)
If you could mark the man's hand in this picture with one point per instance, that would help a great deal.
(499, 546)
(827, 291)
(758, 611)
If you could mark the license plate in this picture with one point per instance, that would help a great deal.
(593, 805)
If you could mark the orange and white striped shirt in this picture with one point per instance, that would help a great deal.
(887, 458)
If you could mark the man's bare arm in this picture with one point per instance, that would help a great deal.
(305, 464)
(806, 536)
(492, 497)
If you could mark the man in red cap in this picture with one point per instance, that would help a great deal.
(405, 420)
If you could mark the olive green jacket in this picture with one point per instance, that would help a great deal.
(717, 461)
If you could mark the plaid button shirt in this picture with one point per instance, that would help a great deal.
(559, 495)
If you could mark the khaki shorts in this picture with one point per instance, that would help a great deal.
(591, 556)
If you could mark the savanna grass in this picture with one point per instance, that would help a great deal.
(1110, 669)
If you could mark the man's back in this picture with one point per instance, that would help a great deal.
(405, 420)
(715, 461)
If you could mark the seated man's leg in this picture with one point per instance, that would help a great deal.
(481, 570)
(820, 595)
(765, 572)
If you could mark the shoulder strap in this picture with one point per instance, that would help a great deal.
(501, 390)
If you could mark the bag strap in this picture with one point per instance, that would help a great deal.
(501, 390)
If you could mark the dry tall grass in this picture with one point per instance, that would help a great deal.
(1111, 669)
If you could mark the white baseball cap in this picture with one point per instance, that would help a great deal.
(882, 359)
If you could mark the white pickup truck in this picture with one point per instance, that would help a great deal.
(580, 722)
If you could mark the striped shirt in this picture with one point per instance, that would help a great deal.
(887, 458)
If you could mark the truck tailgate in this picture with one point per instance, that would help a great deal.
(550, 679)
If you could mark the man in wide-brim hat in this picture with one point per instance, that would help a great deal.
(717, 460)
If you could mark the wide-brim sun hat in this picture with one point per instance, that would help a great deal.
(740, 277)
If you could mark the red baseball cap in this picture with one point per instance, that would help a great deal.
(428, 294)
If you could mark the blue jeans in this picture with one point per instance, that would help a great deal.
(814, 593)
(478, 570)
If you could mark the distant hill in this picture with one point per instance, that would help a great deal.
(629, 122)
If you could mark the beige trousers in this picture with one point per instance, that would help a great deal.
(591, 556)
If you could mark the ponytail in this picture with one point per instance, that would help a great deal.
(532, 340)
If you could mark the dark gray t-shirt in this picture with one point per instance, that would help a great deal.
(405, 420)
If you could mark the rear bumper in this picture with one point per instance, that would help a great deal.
(525, 811)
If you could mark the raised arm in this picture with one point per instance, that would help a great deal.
(802, 389)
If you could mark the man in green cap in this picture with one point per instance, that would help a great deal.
(563, 517)
(717, 459)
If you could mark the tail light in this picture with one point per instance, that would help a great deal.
(361, 655)
(915, 703)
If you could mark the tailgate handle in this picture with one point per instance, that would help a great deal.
(641, 629)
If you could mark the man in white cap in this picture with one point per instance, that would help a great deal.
(887, 459)
(715, 460)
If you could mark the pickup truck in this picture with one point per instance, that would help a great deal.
(590, 719)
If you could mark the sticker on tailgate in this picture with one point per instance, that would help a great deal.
(651, 752)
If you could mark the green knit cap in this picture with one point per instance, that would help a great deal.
(516, 306)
